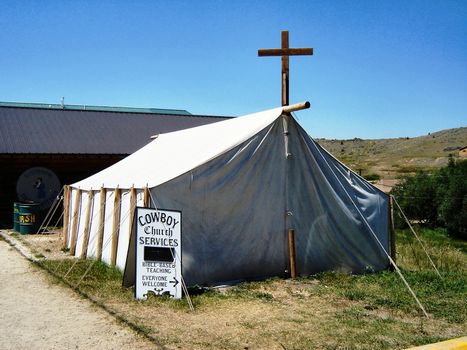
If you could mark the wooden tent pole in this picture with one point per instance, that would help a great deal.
(66, 215)
(293, 273)
(115, 227)
(132, 209)
(101, 223)
(74, 225)
(146, 197)
(87, 226)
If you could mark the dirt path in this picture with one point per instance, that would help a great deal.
(35, 314)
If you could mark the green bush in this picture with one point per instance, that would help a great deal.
(372, 177)
(436, 199)
(452, 198)
(416, 195)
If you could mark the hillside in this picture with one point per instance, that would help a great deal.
(391, 158)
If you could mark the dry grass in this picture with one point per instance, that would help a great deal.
(391, 158)
(326, 311)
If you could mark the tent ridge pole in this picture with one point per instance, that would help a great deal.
(296, 107)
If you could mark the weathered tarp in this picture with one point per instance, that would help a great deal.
(239, 192)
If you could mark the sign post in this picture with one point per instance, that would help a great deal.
(158, 253)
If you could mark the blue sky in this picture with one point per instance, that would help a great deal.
(379, 69)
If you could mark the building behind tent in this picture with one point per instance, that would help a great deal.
(71, 142)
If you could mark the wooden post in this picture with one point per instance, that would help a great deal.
(101, 223)
(115, 227)
(146, 197)
(132, 208)
(66, 215)
(87, 226)
(285, 68)
(293, 273)
(392, 231)
(75, 219)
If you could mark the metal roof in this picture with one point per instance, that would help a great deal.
(95, 108)
(29, 129)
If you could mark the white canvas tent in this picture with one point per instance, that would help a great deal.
(240, 184)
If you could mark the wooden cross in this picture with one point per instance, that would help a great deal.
(285, 52)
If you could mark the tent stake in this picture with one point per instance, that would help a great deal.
(291, 233)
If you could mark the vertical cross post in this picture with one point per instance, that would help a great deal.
(285, 52)
(285, 68)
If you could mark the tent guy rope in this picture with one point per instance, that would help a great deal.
(417, 237)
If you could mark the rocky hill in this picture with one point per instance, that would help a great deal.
(391, 158)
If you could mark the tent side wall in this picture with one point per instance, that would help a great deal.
(85, 225)
(233, 212)
(329, 205)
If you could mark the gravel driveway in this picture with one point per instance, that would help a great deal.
(37, 314)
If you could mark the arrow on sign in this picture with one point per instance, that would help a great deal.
(175, 282)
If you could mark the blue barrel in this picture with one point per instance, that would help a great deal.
(16, 216)
(28, 218)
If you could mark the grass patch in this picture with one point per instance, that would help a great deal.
(251, 290)
(449, 255)
(326, 311)
(443, 298)
(433, 237)
(102, 281)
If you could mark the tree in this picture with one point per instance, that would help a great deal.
(417, 196)
(439, 198)
(452, 190)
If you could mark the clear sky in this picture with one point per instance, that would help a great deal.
(380, 68)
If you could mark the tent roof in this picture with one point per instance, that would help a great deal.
(175, 153)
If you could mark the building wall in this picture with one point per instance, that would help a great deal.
(68, 168)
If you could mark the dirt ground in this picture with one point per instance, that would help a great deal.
(35, 314)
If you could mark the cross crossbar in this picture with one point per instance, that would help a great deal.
(285, 52)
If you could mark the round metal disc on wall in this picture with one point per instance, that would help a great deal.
(38, 185)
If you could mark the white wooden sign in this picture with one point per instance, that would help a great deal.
(158, 253)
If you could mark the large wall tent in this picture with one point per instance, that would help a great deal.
(240, 185)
